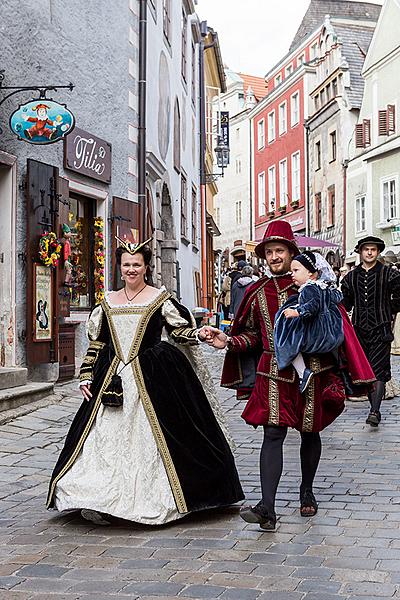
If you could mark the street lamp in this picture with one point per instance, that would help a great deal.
(222, 154)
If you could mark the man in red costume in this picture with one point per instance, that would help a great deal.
(274, 399)
(42, 123)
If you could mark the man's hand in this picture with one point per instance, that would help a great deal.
(85, 391)
(213, 337)
(291, 313)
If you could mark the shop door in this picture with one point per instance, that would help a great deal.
(42, 306)
(125, 222)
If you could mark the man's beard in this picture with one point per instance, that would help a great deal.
(280, 268)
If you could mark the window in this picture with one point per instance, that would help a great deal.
(81, 215)
(294, 109)
(330, 217)
(184, 44)
(316, 102)
(177, 137)
(194, 216)
(314, 51)
(322, 97)
(317, 155)
(388, 199)
(193, 74)
(167, 19)
(296, 177)
(289, 70)
(386, 120)
(332, 146)
(334, 88)
(328, 92)
(278, 79)
(218, 216)
(282, 119)
(301, 60)
(271, 189)
(238, 212)
(317, 213)
(271, 126)
(261, 194)
(184, 219)
(360, 214)
(261, 134)
(363, 134)
(283, 183)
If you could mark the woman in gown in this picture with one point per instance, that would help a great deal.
(164, 452)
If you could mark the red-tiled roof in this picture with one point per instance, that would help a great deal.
(257, 84)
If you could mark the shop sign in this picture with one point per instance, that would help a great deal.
(225, 127)
(87, 154)
(396, 234)
(42, 122)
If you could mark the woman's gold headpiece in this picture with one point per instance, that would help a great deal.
(131, 247)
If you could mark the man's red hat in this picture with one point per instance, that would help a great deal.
(278, 231)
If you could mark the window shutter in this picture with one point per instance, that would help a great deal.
(41, 211)
(382, 122)
(391, 123)
(61, 218)
(367, 132)
(360, 136)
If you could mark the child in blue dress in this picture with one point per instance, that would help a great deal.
(311, 322)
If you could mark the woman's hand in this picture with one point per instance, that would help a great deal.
(291, 313)
(85, 391)
(213, 337)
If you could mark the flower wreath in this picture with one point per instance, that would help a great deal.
(99, 256)
(49, 249)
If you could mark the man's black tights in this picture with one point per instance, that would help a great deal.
(271, 462)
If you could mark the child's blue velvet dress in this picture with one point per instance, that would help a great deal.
(317, 330)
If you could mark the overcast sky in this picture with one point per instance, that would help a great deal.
(254, 34)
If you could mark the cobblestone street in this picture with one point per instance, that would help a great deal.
(351, 549)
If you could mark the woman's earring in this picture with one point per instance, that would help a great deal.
(123, 278)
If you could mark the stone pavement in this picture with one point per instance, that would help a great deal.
(350, 550)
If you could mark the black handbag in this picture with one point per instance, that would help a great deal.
(113, 394)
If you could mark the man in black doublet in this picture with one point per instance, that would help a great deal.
(372, 290)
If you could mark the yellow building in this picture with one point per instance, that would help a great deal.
(212, 85)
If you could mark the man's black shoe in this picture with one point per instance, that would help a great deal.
(254, 514)
(374, 418)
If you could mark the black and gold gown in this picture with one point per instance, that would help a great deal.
(164, 453)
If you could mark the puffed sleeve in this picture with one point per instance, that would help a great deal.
(178, 326)
(347, 288)
(309, 301)
(395, 290)
(93, 329)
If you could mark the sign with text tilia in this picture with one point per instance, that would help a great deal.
(225, 127)
(42, 122)
(88, 154)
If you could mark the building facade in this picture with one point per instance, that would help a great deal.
(373, 192)
(233, 206)
(334, 105)
(74, 186)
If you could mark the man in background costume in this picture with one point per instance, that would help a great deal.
(274, 399)
(372, 290)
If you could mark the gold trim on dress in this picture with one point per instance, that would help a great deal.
(112, 369)
(159, 438)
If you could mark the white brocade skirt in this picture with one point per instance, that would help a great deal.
(119, 470)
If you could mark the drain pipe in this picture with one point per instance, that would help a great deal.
(142, 119)
(202, 148)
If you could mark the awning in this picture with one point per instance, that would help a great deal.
(211, 225)
(391, 251)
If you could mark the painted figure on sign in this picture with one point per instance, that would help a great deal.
(43, 125)
(41, 315)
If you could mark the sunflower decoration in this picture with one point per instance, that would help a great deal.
(49, 249)
(99, 257)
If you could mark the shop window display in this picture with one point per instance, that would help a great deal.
(81, 258)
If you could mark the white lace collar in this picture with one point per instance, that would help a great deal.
(319, 282)
(131, 304)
